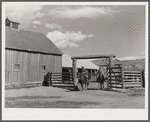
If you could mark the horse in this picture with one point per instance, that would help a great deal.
(47, 81)
(83, 80)
(100, 80)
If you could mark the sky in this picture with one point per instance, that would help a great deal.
(86, 29)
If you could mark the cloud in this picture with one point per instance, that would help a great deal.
(39, 15)
(73, 45)
(34, 26)
(131, 57)
(23, 12)
(91, 35)
(67, 39)
(53, 26)
(36, 22)
(78, 12)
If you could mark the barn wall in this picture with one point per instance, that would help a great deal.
(23, 67)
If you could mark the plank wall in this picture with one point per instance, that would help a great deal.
(30, 66)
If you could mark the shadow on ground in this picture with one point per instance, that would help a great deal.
(52, 104)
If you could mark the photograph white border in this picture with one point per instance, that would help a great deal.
(75, 114)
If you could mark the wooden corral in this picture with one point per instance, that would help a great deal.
(74, 64)
(117, 78)
(132, 79)
(29, 56)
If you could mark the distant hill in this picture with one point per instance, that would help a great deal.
(134, 65)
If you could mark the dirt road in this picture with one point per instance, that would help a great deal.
(54, 97)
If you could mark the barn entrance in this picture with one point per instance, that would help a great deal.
(74, 63)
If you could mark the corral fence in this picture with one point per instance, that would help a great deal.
(58, 79)
(117, 78)
(67, 78)
(62, 79)
(132, 79)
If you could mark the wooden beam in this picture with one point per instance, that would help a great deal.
(110, 62)
(93, 56)
(75, 81)
(109, 73)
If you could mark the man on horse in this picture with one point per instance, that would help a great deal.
(100, 78)
(84, 71)
(99, 70)
(83, 78)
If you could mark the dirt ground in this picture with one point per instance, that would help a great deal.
(57, 97)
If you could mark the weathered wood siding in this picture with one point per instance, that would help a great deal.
(23, 67)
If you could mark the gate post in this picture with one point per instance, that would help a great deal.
(107, 69)
(75, 81)
(91, 76)
(110, 65)
(122, 77)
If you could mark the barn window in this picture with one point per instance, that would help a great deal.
(17, 67)
(43, 68)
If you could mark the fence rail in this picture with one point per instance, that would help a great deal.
(132, 79)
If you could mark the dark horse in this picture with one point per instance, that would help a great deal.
(83, 80)
(47, 80)
(100, 80)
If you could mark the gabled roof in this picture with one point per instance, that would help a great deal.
(30, 41)
(67, 62)
(11, 21)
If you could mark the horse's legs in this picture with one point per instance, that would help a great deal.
(101, 85)
(98, 85)
(87, 84)
(82, 86)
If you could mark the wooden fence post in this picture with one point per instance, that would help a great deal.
(143, 77)
(91, 76)
(108, 77)
(75, 81)
(50, 76)
(110, 65)
(122, 77)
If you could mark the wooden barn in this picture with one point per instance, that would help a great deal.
(28, 56)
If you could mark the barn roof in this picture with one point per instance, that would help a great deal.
(30, 41)
(67, 62)
(11, 21)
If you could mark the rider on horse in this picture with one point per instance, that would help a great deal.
(84, 71)
(100, 78)
(99, 71)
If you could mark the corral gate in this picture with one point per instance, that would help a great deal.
(114, 77)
